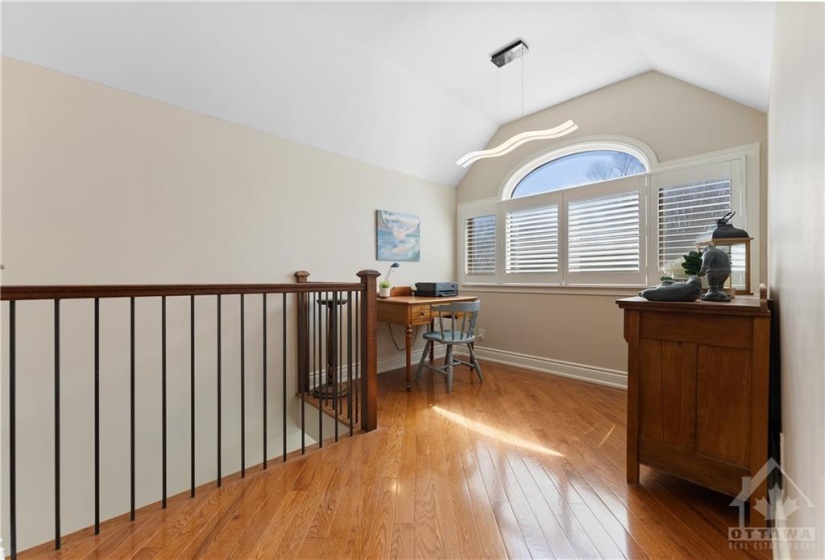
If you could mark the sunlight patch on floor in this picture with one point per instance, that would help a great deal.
(485, 430)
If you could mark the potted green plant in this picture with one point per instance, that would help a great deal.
(384, 286)
(691, 265)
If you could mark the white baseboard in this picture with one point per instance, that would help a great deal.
(583, 372)
(385, 363)
(397, 361)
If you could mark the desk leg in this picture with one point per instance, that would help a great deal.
(407, 348)
(432, 347)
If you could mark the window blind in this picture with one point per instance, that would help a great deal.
(603, 233)
(687, 213)
(532, 240)
(480, 243)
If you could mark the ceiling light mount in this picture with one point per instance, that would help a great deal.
(509, 53)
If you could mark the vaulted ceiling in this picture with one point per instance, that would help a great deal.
(407, 86)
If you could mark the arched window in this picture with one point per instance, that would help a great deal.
(582, 168)
(580, 164)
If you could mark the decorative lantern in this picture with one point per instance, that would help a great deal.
(737, 244)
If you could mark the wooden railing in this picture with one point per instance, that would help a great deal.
(328, 353)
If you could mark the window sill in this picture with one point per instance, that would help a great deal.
(581, 290)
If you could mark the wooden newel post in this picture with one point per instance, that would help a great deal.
(369, 351)
(303, 334)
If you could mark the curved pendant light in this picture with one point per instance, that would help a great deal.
(516, 141)
(505, 56)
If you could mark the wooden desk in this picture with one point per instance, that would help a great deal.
(411, 310)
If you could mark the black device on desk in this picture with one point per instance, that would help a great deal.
(436, 289)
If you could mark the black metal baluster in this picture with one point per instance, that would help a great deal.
(163, 396)
(264, 376)
(323, 361)
(192, 395)
(310, 364)
(97, 416)
(13, 428)
(283, 353)
(336, 319)
(349, 362)
(57, 424)
(219, 390)
(132, 404)
(358, 356)
(243, 394)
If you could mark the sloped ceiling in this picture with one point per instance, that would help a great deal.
(405, 86)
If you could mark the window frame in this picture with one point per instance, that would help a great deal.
(745, 201)
(629, 146)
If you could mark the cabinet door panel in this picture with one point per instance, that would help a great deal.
(667, 391)
(650, 390)
(723, 404)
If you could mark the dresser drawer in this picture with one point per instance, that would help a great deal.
(420, 314)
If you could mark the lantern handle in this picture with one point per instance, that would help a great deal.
(726, 218)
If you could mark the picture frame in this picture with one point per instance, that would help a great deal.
(397, 236)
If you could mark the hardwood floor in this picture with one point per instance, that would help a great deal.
(522, 465)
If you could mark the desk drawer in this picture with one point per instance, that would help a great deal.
(420, 314)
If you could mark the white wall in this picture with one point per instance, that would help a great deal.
(676, 120)
(100, 186)
(796, 204)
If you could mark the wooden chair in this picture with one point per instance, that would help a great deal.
(454, 324)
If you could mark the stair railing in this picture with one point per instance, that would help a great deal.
(331, 353)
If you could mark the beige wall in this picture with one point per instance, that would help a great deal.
(673, 118)
(101, 186)
(184, 197)
(796, 270)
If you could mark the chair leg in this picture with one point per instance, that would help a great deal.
(421, 364)
(448, 361)
(475, 365)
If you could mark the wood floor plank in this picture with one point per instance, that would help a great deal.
(177, 536)
(403, 541)
(510, 531)
(489, 538)
(429, 540)
(348, 491)
(379, 517)
(522, 465)
(405, 499)
(280, 479)
(285, 532)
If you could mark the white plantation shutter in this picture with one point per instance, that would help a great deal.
(603, 234)
(620, 232)
(687, 213)
(480, 245)
(532, 240)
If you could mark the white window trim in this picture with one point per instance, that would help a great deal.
(637, 149)
(745, 200)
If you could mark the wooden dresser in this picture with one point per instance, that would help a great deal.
(697, 391)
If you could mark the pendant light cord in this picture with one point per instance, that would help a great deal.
(498, 99)
(522, 87)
